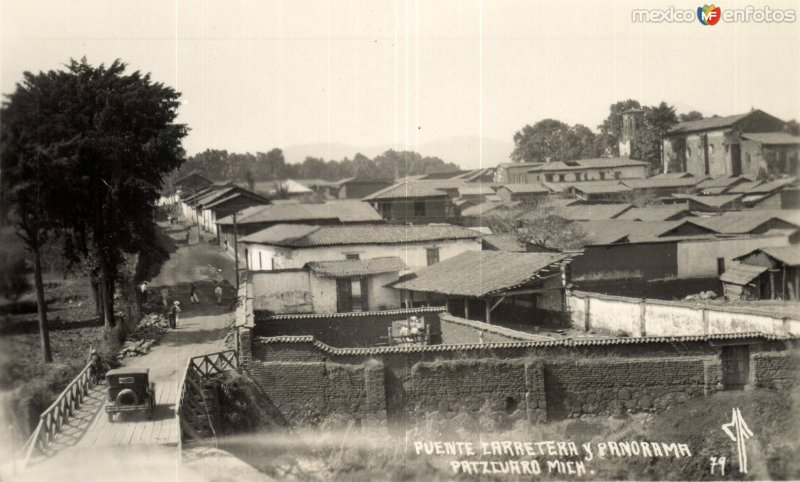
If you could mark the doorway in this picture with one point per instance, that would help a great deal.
(735, 366)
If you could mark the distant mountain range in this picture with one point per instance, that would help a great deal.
(463, 151)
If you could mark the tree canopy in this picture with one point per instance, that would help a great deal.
(222, 165)
(550, 140)
(85, 150)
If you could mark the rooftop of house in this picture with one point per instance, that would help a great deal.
(416, 189)
(485, 208)
(519, 164)
(192, 175)
(709, 123)
(476, 190)
(736, 222)
(596, 163)
(742, 274)
(481, 273)
(655, 213)
(503, 242)
(527, 188)
(307, 236)
(772, 138)
(788, 255)
(674, 175)
(714, 201)
(662, 182)
(346, 211)
(722, 181)
(578, 212)
(610, 231)
(350, 268)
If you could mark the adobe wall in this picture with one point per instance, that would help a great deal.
(515, 380)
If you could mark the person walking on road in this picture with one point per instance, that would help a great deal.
(187, 236)
(218, 292)
(173, 314)
(164, 296)
(193, 295)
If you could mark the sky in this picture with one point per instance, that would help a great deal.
(266, 73)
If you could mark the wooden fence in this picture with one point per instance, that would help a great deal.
(57, 414)
(193, 418)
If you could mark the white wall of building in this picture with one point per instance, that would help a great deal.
(260, 257)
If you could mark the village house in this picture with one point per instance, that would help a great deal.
(232, 201)
(600, 169)
(492, 286)
(339, 286)
(257, 218)
(191, 183)
(522, 192)
(767, 273)
(513, 172)
(292, 246)
(731, 146)
(417, 202)
(360, 187)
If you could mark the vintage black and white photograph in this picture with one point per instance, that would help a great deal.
(399, 240)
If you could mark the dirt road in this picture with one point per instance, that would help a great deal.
(201, 329)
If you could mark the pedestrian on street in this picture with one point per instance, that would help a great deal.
(193, 295)
(173, 314)
(187, 236)
(164, 296)
(143, 290)
(218, 292)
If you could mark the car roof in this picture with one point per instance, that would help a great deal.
(128, 371)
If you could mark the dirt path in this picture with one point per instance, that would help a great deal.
(201, 329)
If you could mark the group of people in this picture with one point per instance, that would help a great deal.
(413, 330)
(175, 309)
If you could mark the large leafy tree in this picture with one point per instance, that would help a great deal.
(538, 224)
(551, 140)
(97, 143)
(658, 120)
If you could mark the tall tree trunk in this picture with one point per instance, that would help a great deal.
(104, 295)
(96, 294)
(41, 305)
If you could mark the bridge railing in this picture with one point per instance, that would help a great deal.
(194, 421)
(57, 414)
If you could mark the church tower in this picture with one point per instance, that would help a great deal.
(632, 123)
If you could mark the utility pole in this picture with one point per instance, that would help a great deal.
(236, 250)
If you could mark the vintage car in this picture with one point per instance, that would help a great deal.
(130, 390)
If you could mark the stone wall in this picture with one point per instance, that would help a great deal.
(776, 370)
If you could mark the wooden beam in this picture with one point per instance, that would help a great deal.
(466, 308)
(488, 312)
(528, 291)
(499, 300)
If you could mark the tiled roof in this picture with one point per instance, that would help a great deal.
(479, 273)
(416, 189)
(578, 212)
(675, 175)
(597, 163)
(236, 194)
(504, 242)
(742, 274)
(788, 255)
(267, 316)
(593, 188)
(561, 342)
(655, 183)
(733, 222)
(475, 190)
(529, 188)
(660, 213)
(745, 187)
(345, 211)
(611, 231)
(723, 181)
(717, 201)
(357, 267)
(708, 124)
(303, 236)
(772, 138)
(193, 174)
(484, 208)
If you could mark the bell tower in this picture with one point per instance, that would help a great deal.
(632, 123)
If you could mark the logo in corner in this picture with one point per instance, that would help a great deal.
(708, 14)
